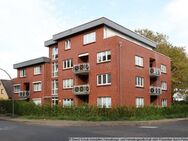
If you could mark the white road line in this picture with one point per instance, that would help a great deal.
(148, 127)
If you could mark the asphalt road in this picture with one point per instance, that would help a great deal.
(20, 131)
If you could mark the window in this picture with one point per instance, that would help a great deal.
(67, 64)
(68, 102)
(104, 102)
(139, 102)
(68, 83)
(164, 103)
(37, 101)
(55, 69)
(23, 73)
(54, 101)
(54, 53)
(37, 86)
(164, 85)
(54, 87)
(103, 56)
(139, 61)
(89, 38)
(139, 81)
(67, 44)
(37, 70)
(17, 88)
(104, 79)
(1, 91)
(163, 69)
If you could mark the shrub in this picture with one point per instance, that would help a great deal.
(85, 112)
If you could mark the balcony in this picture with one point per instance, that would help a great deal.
(155, 91)
(81, 89)
(154, 72)
(82, 69)
(24, 94)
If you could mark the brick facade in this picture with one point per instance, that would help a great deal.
(118, 66)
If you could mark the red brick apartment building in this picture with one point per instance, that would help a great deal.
(100, 63)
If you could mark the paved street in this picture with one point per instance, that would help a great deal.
(20, 131)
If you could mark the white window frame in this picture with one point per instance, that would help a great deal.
(139, 81)
(103, 56)
(17, 85)
(68, 83)
(139, 61)
(67, 44)
(68, 102)
(37, 101)
(139, 101)
(54, 87)
(89, 38)
(54, 53)
(164, 102)
(104, 79)
(55, 101)
(164, 85)
(104, 102)
(23, 73)
(67, 64)
(163, 68)
(37, 86)
(54, 69)
(37, 70)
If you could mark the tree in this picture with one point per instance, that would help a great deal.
(179, 58)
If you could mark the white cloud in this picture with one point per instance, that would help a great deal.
(177, 18)
(24, 26)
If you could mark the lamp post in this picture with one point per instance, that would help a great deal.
(12, 91)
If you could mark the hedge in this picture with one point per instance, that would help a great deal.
(85, 112)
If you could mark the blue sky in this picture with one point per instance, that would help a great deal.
(26, 24)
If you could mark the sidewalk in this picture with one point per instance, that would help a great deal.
(61, 123)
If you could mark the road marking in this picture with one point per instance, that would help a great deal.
(6, 128)
(148, 127)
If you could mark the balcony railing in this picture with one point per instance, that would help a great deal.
(155, 90)
(81, 68)
(24, 94)
(81, 89)
(154, 72)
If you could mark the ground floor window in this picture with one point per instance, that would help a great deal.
(54, 101)
(104, 102)
(67, 102)
(37, 101)
(164, 103)
(139, 102)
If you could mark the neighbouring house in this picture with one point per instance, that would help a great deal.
(6, 90)
(180, 95)
(99, 63)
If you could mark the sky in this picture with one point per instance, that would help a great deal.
(26, 24)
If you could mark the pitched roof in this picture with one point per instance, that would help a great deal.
(31, 62)
(98, 22)
(8, 87)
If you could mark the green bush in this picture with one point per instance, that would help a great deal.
(85, 112)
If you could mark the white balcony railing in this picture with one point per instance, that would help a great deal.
(154, 72)
(155, 90)
(81, 68)
(81, 89)
(24, 94)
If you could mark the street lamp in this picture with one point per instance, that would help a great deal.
(12, 91)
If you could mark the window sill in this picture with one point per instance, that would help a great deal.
(139, 87)
(66, 49)
(89, 43)
(104, 62)
(37, 74)
(163, 73)
(37, 91)
(139, 66)
(100, 85)
(67, 88)
(67, 68)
